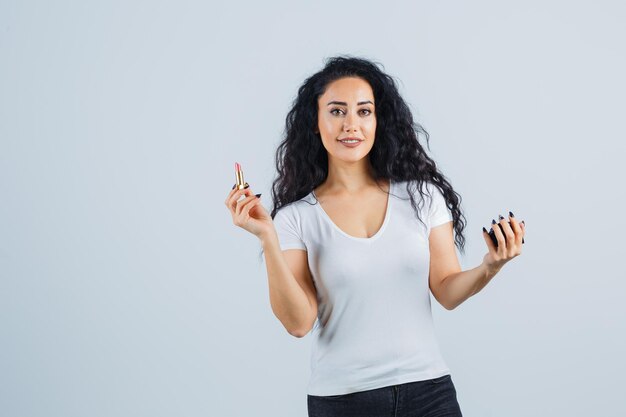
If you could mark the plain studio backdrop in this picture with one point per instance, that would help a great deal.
(125, 287)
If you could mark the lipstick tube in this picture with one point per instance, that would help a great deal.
(241, 183)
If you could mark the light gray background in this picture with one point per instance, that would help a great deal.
(126, 290)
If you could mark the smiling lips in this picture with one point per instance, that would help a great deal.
(351, 144)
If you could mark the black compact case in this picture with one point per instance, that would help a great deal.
(492, 234)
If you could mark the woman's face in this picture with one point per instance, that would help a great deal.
(346, 110)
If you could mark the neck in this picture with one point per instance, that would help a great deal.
(349, 177)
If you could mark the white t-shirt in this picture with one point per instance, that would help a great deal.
(374, 326)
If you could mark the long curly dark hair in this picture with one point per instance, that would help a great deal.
(302, 160)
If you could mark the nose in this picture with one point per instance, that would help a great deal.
(349, 124)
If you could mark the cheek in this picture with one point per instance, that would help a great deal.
(327, 123)
(372, 126)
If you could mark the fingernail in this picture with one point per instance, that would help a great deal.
(247, 186)
(523, 223)
(511, 214)
(501, 217)
(234, 187)
(493, 221)
(485, 230)
(258, 195)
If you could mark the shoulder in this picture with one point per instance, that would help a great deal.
(402, 189)
(297, 208)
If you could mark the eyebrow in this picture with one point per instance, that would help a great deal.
(343, 103)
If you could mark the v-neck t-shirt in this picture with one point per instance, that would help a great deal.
(374, 326)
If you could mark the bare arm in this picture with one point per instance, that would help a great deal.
(292, 293)
(451, 286)
(458, 287)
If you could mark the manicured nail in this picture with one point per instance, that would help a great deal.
(485, 230)
(523, 223)
(247, 186)
(493, 221)
(258, 195)
(234, 187)
(511, 214)
(501, 217)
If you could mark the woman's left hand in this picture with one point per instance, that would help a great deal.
(509, 243)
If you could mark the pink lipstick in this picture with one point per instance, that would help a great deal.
(240, 182)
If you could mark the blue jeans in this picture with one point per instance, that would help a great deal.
(430, 398)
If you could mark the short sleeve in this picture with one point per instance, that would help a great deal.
(286, 224)
(439, 212)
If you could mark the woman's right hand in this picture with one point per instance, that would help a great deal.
(248, 213)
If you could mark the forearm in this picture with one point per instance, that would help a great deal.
(457, 288)
(288, 300)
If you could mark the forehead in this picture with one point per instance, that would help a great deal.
(347, 89)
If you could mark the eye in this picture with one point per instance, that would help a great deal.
(366, 112)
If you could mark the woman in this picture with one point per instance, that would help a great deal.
(350, 258)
